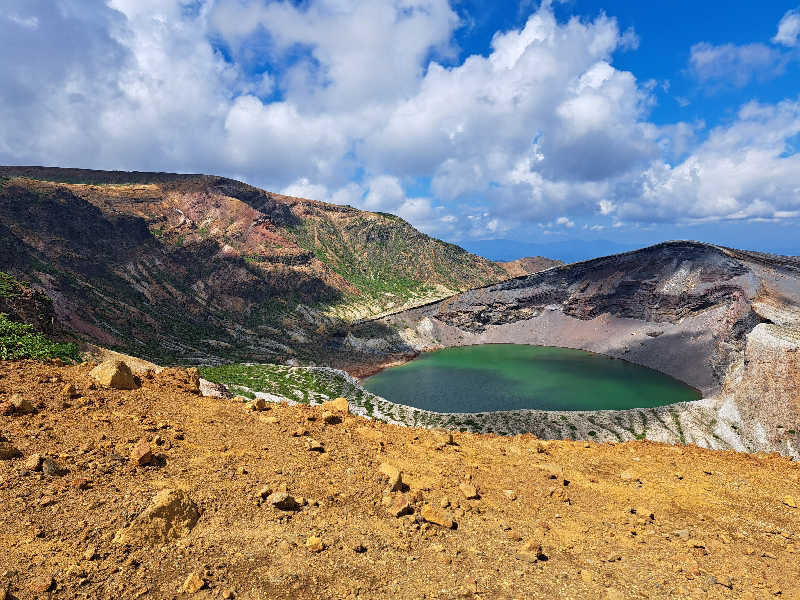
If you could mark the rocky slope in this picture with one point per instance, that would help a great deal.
(529, 265)
(721, 320)
(199, 268)
(158, 492)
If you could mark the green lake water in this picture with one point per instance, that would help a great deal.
(494, 377)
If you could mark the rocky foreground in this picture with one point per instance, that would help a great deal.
(159, 492)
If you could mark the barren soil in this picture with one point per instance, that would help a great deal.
(628, 520)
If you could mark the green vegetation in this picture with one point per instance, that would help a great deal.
(386, 259)
(9, 286)
(307, 386)
(20, 340)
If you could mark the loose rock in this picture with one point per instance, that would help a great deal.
(193, 584)
(21, 405)
(437, 516)
(51, 468)
(313, 445)
(315, 544)
(283, 501)
(532, 551)
(398, 505)
(337, 404)
(171, 515)
(34, 462)
(258, 404)
(142, 454)
(394, 475)
(8, 451)
(470, 491)
(41, 585)
(114, 374)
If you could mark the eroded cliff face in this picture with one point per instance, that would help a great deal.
(718, 319)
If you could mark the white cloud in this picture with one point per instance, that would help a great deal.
(303, 188)
(565, 222)
(788, 29)
(743, 170)
(351, 101)
(734, 65)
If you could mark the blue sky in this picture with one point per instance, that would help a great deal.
(575, 124)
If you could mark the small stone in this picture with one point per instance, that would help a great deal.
(444, 502)
(264, 492)
(300, 432)
(682, 533)
(114, 374)
(437, 516)
(193, 584)
(394, 475)
(69, 391)
(587, 576)
(531, 551)
(272, 420)
(359, 548)
(789, 501)
(315, 544)
(313, 445)
(399, 505)
(627, 475)
(258, 404)
(470, 491)
(90, 553)
(34, 462)
(42, 584)
(282, 501)
(228, 594)
(80, 483)
(330, 418)
(8, 451)
(142, 454)
(51, 468)
(510, 494)
(21, 405)
(337, 405)
(514, 535)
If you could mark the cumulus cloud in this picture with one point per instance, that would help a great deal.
(747, 169)
(788, 29)
(357, 101)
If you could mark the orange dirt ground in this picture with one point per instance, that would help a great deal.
(631, 520)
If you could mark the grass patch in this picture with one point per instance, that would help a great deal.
(20, 340)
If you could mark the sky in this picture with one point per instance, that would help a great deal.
(497, 125)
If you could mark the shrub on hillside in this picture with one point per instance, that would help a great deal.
(20, 340)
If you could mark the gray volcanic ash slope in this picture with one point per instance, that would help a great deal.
(724, 321)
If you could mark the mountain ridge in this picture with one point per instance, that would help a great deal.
(210, 268)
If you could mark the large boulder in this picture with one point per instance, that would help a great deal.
(114, 374)
(171, 515)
